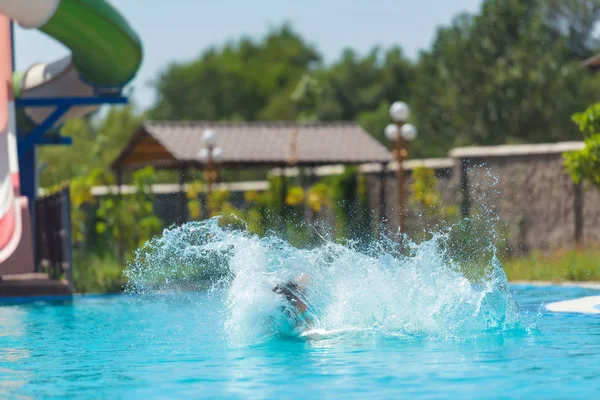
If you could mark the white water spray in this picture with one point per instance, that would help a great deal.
(422, 290)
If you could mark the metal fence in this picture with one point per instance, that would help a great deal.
(53, 250)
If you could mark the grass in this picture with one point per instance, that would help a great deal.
(573, 265)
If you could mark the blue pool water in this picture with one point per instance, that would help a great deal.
(386, 326)
(111, 348)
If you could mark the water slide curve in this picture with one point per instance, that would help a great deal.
(105, 55)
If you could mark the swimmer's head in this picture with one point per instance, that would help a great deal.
(291, 289)
(287, 290)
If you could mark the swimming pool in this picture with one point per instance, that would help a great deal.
(169, 347)
(413, 323)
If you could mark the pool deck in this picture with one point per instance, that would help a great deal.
(32, 285)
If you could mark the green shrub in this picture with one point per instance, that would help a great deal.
(584, 165)
(96, 274)
(426, 195)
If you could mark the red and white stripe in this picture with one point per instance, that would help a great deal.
(10, 213)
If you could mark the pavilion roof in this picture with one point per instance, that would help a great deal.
(251, 144)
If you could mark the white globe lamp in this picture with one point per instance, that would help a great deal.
(409, 132)
(399, 111)
(392, 133)
(210, 137)
(203, 154)
(217, 154)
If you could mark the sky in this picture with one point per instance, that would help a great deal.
(179, 30)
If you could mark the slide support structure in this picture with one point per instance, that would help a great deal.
(28, 141)
(62, 104)
(106, 54)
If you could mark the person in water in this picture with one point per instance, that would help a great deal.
(291, 292)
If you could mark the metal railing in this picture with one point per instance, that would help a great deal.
(53, 250)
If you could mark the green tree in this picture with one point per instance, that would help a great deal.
(96, 142)
(244, 80)
(362, 88)
(584, 165)
(506, 75)
(576, 20)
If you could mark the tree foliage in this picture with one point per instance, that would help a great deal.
(584, 165)
(99, 225)
(97, 141)
(244, 80)
(508, 74)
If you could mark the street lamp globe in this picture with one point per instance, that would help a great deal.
(210, 137)
(203, 154)
(217, 154)
(392, 133)
(409, 132)
(399, 111)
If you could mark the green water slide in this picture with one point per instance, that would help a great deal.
(106, 52)
(105, 55)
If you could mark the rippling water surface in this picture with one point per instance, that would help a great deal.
(386, 323)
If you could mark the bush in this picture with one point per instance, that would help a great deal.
(96, 274)
(126, 220)
(426, 195)
(584, 165)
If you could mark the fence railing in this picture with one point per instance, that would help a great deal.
(53, 248)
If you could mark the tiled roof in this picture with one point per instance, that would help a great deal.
(592, 63)
(254, 143)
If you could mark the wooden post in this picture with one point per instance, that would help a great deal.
(209, 178)
(66, 236)
(464, 187)
(400, 156)
(578, 210)
(283, 208)
(120, 244)
(309, 180)
(382, 198)
(292, 161)
(182, 196)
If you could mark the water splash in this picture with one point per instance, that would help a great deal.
(414, 289)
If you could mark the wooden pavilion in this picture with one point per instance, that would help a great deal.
(176, 146)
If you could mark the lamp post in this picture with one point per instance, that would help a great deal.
(400, 134)
(210, 155)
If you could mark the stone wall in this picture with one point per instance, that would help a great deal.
(531, 195)
(591, 216)
(522, 187)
